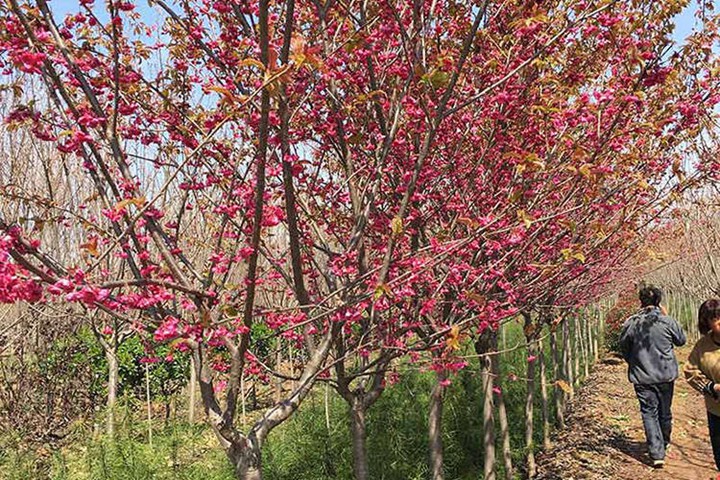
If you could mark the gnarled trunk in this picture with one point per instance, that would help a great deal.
(246, 459)
(359, 400)
(243, 451)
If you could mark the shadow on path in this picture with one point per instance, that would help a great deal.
(604, 438)
(634, 449)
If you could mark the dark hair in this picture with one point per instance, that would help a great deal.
(650, 296)
(709, 311)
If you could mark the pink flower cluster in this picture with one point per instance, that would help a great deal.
(14, 284)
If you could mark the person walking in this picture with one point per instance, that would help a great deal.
(702, 369)
(647, 340)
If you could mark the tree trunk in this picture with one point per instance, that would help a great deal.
(357, 429)
(244, 451)
(242, 403)
(587, 348)
(149, 404)
(292, 367)
(590, 340)
(435, 427)
(596, 335)
(113, 374)
(601, 328)
(692, 330)
(327, 407)
(671, 305)
(529, 408)
(557, 392)
(576, 350)
(544, 397)
(590, 337)
(278, 363)
(246, 459)
(567, 357)
(488, 421)
(502, 418)
(192, 389)
(582, 327)
(684, 319)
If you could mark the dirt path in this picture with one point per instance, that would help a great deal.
(604, 438)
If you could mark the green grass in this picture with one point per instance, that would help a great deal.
(303, 448)
(179, 451)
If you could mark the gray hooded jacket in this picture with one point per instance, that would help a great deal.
(646, 341)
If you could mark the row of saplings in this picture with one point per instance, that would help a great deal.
(548, 358)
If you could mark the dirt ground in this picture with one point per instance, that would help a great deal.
(604, 437)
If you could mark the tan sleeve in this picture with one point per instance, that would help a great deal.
(695, 377)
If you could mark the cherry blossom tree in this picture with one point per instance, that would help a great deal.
(368, 181)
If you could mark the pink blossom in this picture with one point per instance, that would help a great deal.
(167, 330)
(29, 62)
(428, 306)
(188, 305)
(220, 365)
(90, 121)
(88, 294)
(113, 214)
(61, 286)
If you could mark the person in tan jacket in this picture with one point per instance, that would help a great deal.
(702, 369)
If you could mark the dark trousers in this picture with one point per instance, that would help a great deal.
(655, 403)
(714, 427)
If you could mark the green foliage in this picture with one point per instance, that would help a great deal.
(263, 340)
(305, 447)
(167, 378)
(44, 394)
(179, 452)
(21, 464)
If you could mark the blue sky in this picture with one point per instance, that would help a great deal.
(63, 7)
(683, 24)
